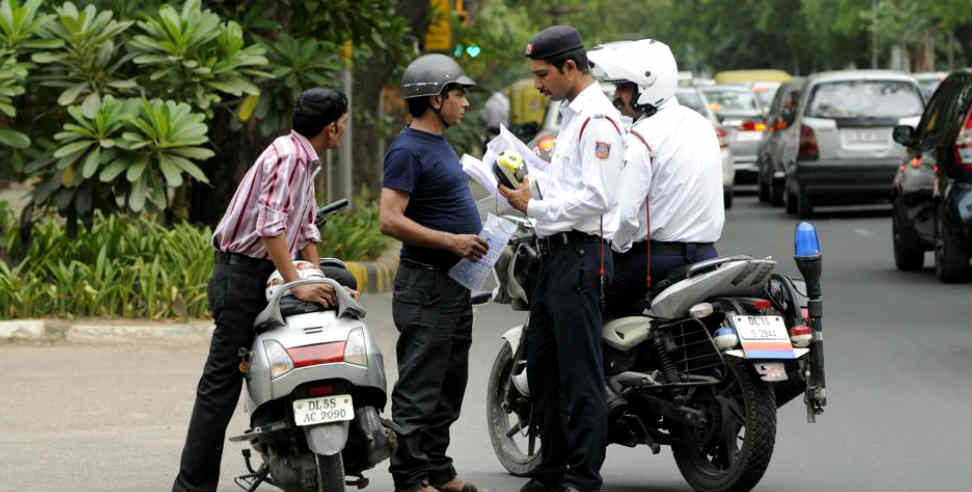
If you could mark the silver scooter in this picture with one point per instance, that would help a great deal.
(316, 386)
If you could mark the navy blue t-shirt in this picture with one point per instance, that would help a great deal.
(426, 167)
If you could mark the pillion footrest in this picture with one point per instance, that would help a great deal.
(251, 434)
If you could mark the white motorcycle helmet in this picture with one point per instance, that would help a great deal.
(648, 63)
(305, 270)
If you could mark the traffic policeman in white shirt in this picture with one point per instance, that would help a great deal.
(672, 168)
(575, 219)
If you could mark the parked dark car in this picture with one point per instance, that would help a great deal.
(840, 150)
(933, 188)
(781, 113)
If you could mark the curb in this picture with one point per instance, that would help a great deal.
(376, 277)
(125, 332)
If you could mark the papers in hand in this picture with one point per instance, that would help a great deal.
(482, 170)
(472, 274)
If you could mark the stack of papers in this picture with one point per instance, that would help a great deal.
(482, 170)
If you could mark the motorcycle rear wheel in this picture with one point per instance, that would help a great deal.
(512, 451)
(330, 473)
(733, 449)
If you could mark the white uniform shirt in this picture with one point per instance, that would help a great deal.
(673, 158)
(584, 169)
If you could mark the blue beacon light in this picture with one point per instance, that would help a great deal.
(806, 244)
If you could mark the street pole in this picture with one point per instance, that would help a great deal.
(873, 33)
(342, 175)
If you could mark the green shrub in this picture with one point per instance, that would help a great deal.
(136, 268)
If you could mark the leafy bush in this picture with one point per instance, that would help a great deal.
(136, 268)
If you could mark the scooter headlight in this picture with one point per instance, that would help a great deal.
(280, 362)
(355, 350)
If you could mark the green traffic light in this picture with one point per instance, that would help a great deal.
(473, 50)
(457, 51)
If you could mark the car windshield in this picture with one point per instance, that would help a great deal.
(865, 99)
(693, 100)
(732, 101)
(928, 86)
(765, 94)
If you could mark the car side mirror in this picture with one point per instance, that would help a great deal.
(788, 115)
(905, 135)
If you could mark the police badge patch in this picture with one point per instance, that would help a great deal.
(602, 150)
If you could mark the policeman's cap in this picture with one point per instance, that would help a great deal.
(553, 41)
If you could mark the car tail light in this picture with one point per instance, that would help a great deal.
(808, 145)
(723, 137)
(321, 353)
(963, 143)
(752, 126)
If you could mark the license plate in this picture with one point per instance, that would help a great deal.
(748, 136)
(322, 410)
(860, 137)
(763, 337)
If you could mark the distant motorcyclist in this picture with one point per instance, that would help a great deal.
(672, 168)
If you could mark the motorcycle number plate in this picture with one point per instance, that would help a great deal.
(322, 410)
(763, 337)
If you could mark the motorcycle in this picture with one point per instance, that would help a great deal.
(721, 346)
(315, 382)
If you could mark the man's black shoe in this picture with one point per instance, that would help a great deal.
(535, 485)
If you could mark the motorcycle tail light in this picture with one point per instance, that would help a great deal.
(762, 304)
(280, 361)
(321, 353)
(355, 351)
(322, 390)
(800, 336)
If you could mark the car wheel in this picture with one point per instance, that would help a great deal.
(804, 205)
(951, 256)
(789, 200)
(764, 189)
(776, 193)
(727, 197)
(909, 256)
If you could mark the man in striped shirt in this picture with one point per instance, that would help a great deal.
(268, 223)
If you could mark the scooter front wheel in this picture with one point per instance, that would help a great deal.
(330, 473)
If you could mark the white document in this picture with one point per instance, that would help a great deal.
(482, 170)
(473, 274)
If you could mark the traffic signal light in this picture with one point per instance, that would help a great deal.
(472, 50)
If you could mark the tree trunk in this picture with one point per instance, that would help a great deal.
(371, 77)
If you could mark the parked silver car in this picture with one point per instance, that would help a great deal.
(695, 99)
(738, 109)
(840, 150)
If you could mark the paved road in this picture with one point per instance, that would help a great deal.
(898, 354)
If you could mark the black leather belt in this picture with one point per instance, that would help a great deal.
(669, 248)
(548, 245)
(222, 258)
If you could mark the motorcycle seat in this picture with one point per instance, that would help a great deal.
(683, 272)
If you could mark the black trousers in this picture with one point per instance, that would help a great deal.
(564, 365)
(626, 294)
(236, 296)
(433, 315)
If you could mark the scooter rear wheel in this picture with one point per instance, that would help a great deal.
(330, 473)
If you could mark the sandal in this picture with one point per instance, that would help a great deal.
(466, 487)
